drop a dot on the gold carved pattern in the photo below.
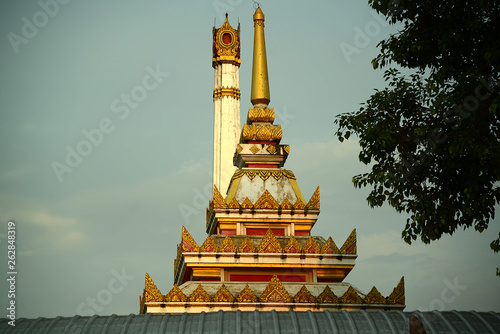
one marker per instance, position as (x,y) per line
(264,174)
(223,295)
(227,91)
(266,132)
(271,149)
(238,149)
(374,297)
(299,205)
(223,49)
(151,292)
(311,246)
(349,246)
(247,296)
(266,201)
(254,149)
(275,292)
(269,244)
(199,295)
(286,205)
(188,243)
(260,115)
(247,246)
(398,294)
(327,297)
(329,247)
(351,297)
(227,245)
(287,149)
(233,204)
(219,201)
(314,201)
(175,295)
(247,204)
(293,246)
(209,245)
(304,296)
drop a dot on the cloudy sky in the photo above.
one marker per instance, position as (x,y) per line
(90,226)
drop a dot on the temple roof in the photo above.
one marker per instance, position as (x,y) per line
(263,322)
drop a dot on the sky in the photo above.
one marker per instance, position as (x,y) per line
(129,85)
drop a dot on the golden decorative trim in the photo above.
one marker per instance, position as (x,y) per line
(233,204)
(254,149)
(269,244)
(264,174)
(286,205)
(327,297)
(175,295)
(223,50)
(313,203)
(247,246)
(227,245)
(299,205)
(247,204)
(287,149)
(247,295)
(238,149)
(265,132)
(311,247)
(329,247)
(188,243)
(223,295)
(398,294)
(304,296)
(349,246)
(226,91)
(260,115)
(199,295)
(219,201)
(151,292)
(293,246)
(374,297)
(275,292)
(271,149)
(351,297)
(266,201)
(209,245)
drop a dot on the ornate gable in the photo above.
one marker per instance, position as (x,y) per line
(374,297)
(293,246)
(175,295)
(227,245)
(151,292)
(311,246)
(247,295)
(349,246)
(313,203)
(247,246)
(209,245)
(223,295)
(266,201)
(351,297)
(398,294)
(275,292)
(188,243)
(327,297)
(329,247)
(269,244)
(304,296)
(199,295)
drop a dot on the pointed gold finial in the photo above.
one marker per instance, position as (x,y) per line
(260,96)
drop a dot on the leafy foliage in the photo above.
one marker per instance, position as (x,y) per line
(432,138)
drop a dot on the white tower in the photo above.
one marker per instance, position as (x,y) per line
(226,62)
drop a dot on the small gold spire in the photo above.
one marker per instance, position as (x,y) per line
(260,96)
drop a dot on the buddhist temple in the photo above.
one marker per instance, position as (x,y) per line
(260,252)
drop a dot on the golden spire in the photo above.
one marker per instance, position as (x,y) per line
(260,82)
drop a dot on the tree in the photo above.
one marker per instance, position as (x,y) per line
(432,137)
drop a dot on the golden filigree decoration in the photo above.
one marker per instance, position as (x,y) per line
(299,205)
(209,245)
(223,295)
(238,149)
(329,247)
(311,246)
(264,174)
(247,204)
(313,203)
(254,149)
(374,297)
(151,292)
(286,205)
(327,297)
(265,132)
(247,295)
(227,245)
(351,297)
(233,204)
(188,243)
(398,294)
(199,295)
(269,244)
(293,246)
(260,115)
(247,246)
(219,201)
(266,201)
(271,149)
(304,296)
(349,246)
(275,292)
(227,91)
(175,295)
(287,149)
(226,46)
